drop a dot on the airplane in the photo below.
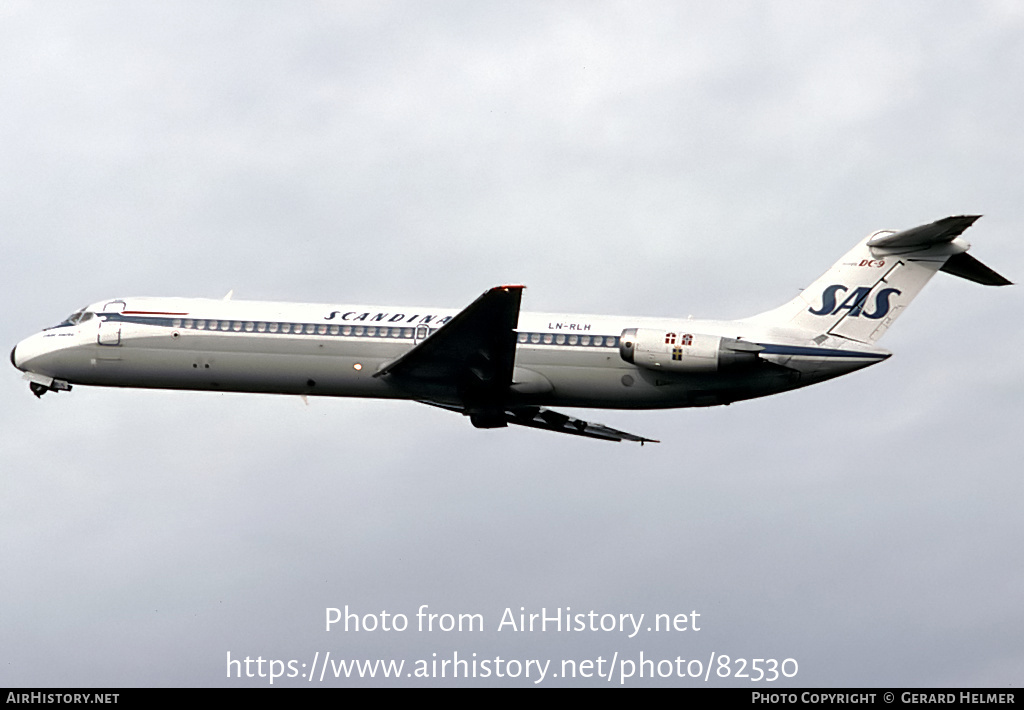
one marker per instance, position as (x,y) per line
(495,364)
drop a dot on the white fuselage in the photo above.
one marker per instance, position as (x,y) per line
(335,350)
(497,364)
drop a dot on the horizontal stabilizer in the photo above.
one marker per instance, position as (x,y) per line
(967,267)
(940,232)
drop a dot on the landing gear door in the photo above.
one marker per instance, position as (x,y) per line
(109,332)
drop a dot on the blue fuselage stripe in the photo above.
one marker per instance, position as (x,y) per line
(770,349)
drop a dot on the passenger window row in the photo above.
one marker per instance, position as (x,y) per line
(378,331)
(369,331)
(597,341)
(373,331)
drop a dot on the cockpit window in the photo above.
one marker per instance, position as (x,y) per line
(73,318)
(79,316)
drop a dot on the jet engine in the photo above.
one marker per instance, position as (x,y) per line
(680,351)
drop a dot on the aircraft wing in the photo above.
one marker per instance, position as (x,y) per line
(473,353)
(543,418)
(471,357)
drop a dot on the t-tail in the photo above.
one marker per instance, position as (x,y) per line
(861,296)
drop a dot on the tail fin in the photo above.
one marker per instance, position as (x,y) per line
(866,291)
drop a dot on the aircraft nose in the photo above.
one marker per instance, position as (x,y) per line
(14,356)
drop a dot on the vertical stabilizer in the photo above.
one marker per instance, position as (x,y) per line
(863,293)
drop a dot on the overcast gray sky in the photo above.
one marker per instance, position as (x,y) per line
(630,158)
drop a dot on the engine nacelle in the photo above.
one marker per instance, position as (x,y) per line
(680,351)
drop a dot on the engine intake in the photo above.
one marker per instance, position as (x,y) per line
(679,351)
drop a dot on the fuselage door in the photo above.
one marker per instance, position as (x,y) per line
(422,331)
(109,332)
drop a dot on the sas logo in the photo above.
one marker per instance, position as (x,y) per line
(854,302)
